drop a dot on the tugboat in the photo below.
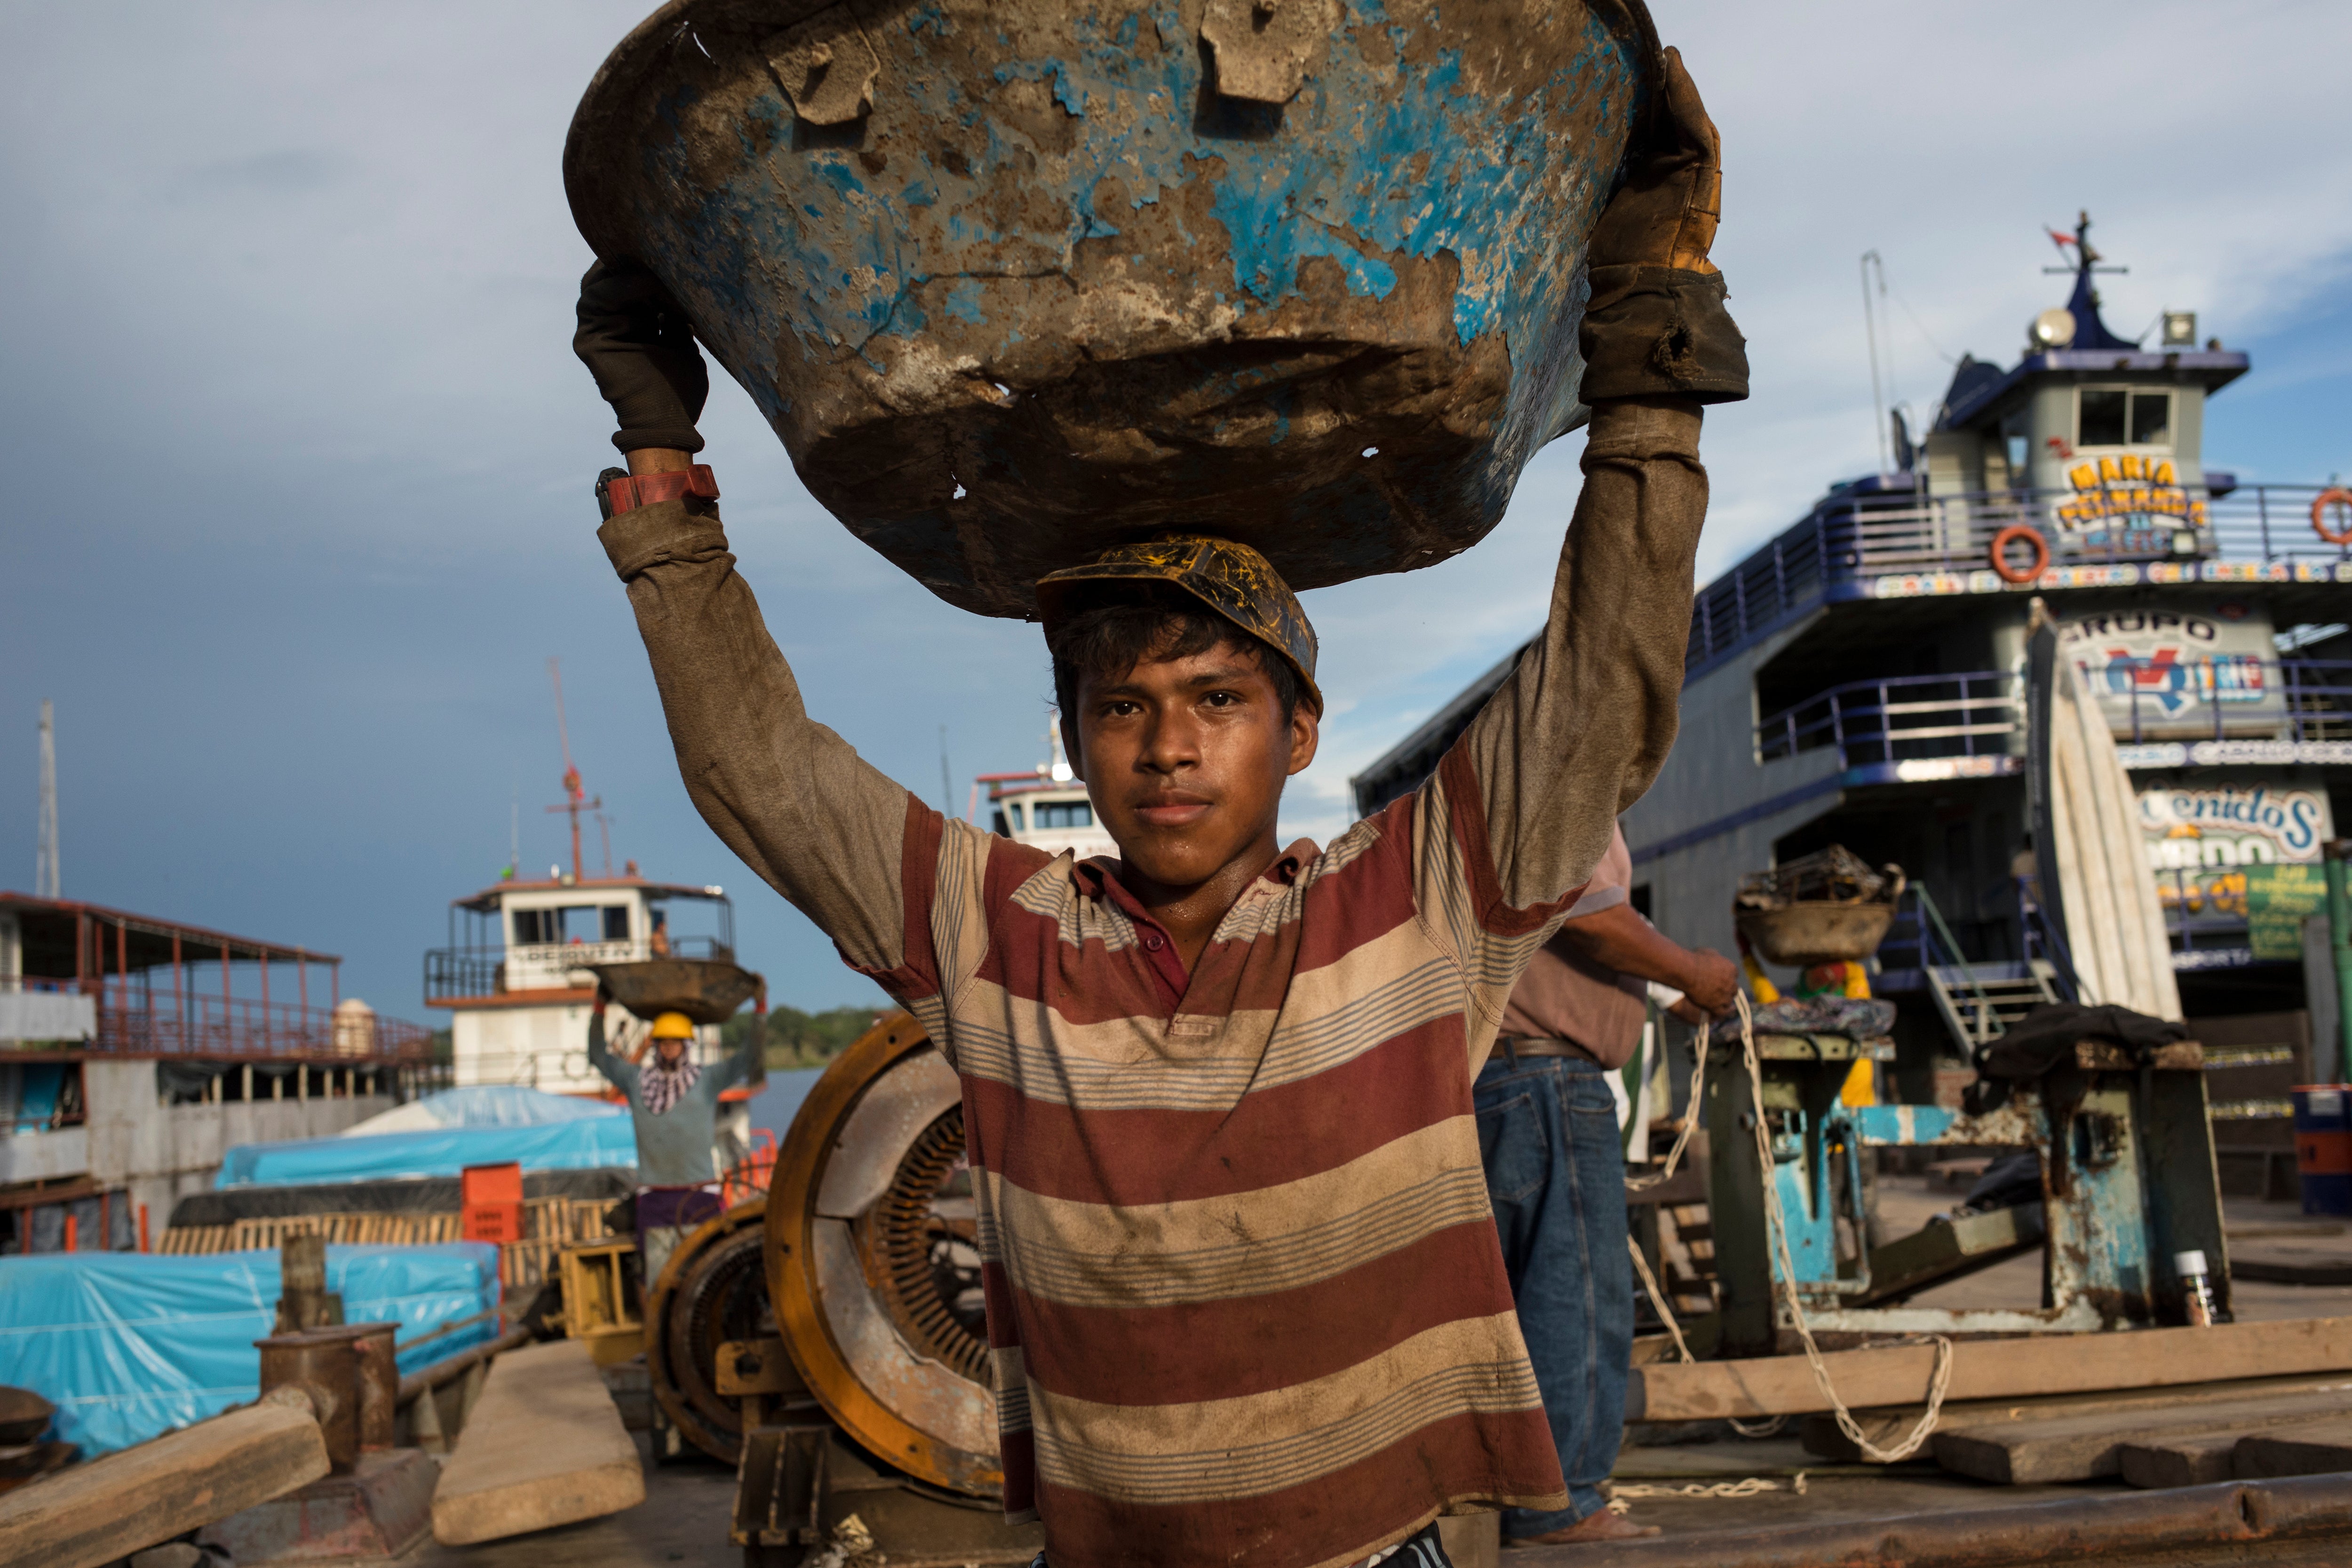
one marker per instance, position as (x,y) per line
(518,973)
(1046,806)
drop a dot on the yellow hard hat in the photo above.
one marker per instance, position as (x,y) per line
(673,1026)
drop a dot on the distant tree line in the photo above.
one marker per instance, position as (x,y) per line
(798,1039)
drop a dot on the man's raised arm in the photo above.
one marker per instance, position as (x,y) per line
(787,795)
(1532,791)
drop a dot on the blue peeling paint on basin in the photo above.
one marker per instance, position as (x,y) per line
(1052,289)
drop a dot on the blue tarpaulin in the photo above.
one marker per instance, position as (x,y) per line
(131,1345)
(585,1144)
(482,1105)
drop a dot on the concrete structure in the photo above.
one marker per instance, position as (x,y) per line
(134,1051)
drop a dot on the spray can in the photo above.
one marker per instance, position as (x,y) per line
(2195,1288)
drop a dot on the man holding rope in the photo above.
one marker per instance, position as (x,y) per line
(1556,1173)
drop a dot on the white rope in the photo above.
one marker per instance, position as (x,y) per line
(1777,1222)
(1748,1487)
(1690,1120)
(1771,1428)
(1666,1313)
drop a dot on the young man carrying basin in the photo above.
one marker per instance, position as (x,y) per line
(1246,1301)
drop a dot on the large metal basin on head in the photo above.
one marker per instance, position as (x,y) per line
(1014,280)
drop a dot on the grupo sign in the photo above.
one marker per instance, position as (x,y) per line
(2163,673)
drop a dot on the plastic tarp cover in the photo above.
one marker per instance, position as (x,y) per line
(131,1345)
(484,1105)
(591,1142)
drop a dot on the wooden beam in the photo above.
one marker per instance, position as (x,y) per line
(127,1500)
(2080,1448)
(2315,1450)
(1886,1428)
(1990,1369)
(542,1446)
(2199,1461)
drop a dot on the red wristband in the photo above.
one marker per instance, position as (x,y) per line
(632,492)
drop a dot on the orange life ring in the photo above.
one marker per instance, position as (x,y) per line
(2336,496)
(2011,535)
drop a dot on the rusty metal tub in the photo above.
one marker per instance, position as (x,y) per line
(1013,279)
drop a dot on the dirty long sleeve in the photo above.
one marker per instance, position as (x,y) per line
(817,822)
(1522,808)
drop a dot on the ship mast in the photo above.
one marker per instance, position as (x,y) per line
(575,798)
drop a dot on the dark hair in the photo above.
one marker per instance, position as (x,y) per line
(1145,624)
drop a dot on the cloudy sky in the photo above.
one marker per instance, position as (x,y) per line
(299,506)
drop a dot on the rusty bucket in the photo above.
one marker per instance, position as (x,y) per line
(1013,279)
(707,990)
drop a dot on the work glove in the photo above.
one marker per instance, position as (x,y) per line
(640,347)
(1655,325)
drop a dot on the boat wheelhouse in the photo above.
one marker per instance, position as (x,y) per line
(515,973)
(1047,808)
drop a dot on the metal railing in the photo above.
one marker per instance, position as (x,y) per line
(243,1027)
(1864,531)
(1900,718)
(1982,713)
(464,973)
(144,1013)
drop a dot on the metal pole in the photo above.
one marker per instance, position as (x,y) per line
(1870,333)
(2339,941)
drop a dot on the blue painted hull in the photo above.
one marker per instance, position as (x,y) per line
(1052,289)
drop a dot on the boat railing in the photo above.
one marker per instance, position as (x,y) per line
(2252,532)
(238,1027)
(1899,718)
(146,1013)
(468,973)
(1982,713)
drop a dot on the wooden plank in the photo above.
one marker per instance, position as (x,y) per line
(2283,1266)
(127,1500)
(1948,1247)
(2316,1450)
(1885,1428)
(2079,1448)
(542,1446)
(1890,1375)
(2195,1461)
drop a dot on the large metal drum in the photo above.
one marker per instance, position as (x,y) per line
(872,1267)
(1016,278)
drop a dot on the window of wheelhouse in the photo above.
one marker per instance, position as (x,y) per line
(2122,417)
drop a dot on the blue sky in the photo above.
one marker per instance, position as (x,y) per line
(301,507)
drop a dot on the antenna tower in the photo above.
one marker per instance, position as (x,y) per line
(575,798)
(46,884)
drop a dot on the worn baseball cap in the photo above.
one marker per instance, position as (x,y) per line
(1234,581)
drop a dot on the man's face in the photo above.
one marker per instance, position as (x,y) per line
(1185,759)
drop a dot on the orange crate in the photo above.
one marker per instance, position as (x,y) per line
(500,1223)
(501,1184)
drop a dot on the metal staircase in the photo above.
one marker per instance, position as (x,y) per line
(1977,1002)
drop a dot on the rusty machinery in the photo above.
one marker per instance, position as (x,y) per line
(830,1339)
(2127,1180)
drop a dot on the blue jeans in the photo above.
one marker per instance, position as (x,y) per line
(1556,1173)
